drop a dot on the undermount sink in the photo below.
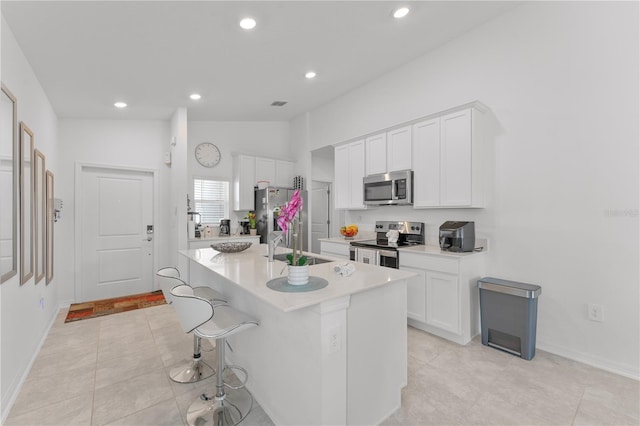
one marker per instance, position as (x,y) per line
(310,260)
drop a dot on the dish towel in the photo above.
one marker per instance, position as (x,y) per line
(392,236)
(345,270)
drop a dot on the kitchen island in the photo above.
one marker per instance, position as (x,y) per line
(337,355)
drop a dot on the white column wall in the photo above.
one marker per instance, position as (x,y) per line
(561,82)
(178,189)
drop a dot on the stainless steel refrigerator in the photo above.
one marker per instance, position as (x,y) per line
(268,202)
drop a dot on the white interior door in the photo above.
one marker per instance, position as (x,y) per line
(116,253)
(320,213)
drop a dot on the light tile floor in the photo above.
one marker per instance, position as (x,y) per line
(114,371)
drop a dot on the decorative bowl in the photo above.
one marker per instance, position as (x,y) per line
(231,247)
(348,232)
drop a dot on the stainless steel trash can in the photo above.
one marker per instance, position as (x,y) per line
(508,315)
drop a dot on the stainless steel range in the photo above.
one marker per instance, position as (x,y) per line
(383,251)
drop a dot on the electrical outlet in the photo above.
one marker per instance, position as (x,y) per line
(595,312)
(334,340)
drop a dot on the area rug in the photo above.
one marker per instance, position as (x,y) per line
(99,308)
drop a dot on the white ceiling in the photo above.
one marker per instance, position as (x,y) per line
(153,54)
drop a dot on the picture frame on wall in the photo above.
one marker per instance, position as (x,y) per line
(8,184)
(26,203)
(40,214)
(50,220)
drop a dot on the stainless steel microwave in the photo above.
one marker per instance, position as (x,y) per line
(393,188)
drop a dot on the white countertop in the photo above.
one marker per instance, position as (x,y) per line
(342,240)
(251,270)
(219,238)
(435,250)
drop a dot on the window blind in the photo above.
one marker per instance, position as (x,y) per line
(211,199)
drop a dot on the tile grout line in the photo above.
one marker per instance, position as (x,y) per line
(95,374)
(584,391)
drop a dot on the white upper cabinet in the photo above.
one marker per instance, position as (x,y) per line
(376,161)
(445,151)
(455,159)
(399,152)
(448,162)
(244,179)
(266,170)
(356,169)
(349,171)
(389,151)
(341,177)
(426,173)
(249,170)
(284,173)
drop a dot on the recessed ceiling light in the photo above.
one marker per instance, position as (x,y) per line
(248,23)
(310,74)
(401,12)
(120,105)
(195,96)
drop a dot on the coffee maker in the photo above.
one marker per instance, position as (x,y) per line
(244,227)
(225,227)
(457,236)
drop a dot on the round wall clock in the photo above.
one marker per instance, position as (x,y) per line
(207,154)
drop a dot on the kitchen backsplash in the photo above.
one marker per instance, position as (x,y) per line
(432,218)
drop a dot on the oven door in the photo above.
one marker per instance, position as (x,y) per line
(388,258)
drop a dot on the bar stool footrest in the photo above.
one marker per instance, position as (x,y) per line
(243,382)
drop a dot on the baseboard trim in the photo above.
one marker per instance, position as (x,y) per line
(630,371)
(65,304)
(14,389)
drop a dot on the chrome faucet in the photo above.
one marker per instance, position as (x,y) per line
(275,238)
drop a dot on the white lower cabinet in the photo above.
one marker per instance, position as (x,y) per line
(334,249)
(442,295)
(416,294)
(443,298)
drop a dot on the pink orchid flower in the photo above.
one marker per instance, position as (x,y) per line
(290,210)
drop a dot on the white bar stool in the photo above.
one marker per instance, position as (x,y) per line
(231,405)
(196,369)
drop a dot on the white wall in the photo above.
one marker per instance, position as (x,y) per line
(23,320)
(123,143)
(260,138)
(178,189)
(561,79)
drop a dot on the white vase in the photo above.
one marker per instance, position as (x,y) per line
(298,275)
(253,231)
